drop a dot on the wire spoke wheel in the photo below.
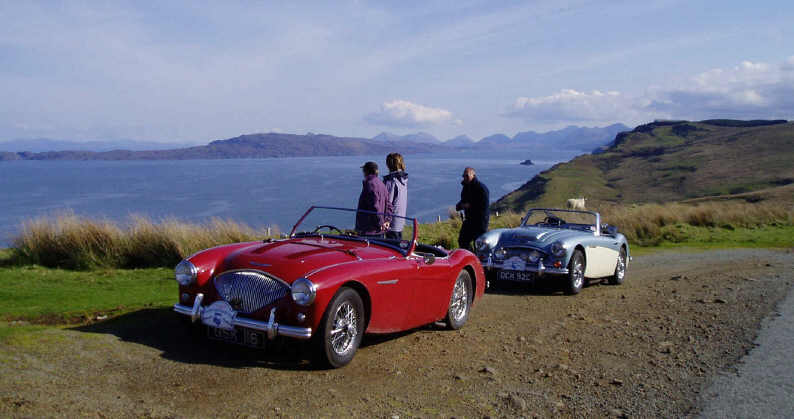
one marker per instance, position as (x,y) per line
(578,274)
(620,269)
(341,329)
(460,301)
(576,268)
(345,329)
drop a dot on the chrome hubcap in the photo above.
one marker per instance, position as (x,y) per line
(460,300)
(621,266)
(345,328)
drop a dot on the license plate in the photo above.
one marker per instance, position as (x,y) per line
(506,275)
(238,335)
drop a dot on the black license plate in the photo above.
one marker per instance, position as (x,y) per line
(240,336)
(505,275)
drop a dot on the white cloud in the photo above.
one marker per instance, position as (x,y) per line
(750,90)
(402,113)
(747,91)
(573,106)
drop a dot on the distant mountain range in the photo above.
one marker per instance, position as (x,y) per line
(572,139)
(419,137)
(37,145)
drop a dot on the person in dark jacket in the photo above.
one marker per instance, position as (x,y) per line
(372,198)
(474,204)
(397,194)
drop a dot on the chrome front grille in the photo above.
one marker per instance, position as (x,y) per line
(522,252)
(249,291)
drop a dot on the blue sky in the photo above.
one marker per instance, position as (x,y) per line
(198,71)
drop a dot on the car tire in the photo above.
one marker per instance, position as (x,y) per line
(341,330)
(620,269)
(459,301)
(576,267)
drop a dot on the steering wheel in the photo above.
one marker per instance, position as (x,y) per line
(329,227)
(555,221)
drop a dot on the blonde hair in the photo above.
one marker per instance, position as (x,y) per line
(395,162)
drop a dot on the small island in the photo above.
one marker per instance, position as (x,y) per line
(527,162)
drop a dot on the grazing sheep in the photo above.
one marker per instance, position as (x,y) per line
(577,204)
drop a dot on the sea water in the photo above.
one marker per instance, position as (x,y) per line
(259,192)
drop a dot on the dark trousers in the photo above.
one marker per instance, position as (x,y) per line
(469,233)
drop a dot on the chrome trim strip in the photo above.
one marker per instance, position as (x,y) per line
(389,282)
(322,268)
(271,327)
(263,265)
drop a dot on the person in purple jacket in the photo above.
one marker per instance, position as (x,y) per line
(373,198)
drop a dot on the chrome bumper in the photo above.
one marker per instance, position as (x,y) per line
(538,269)
(270,327)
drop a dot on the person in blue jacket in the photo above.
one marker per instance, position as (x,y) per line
(475,206)
(396,194)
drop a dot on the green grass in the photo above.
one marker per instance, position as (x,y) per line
(704,238)
(38,294)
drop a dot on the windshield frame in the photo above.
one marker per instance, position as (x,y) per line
(409,250)
(597,216)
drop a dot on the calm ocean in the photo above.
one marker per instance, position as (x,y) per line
(259,192)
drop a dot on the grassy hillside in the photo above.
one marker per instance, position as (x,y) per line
(673,161)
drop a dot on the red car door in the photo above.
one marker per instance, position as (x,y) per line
(431,289)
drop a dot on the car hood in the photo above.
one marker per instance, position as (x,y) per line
(291,259)
(536,236)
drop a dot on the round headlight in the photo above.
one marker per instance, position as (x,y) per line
(486,242)
(303,291)
(557,249)
(500,253)
(185,273)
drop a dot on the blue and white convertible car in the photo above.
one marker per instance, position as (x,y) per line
(571,245)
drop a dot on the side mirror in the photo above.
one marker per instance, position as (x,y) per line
(429,258)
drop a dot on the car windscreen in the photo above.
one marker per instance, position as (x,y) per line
(351,223)
(558,218)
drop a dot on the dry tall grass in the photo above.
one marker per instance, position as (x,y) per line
(646,224)
(73,242)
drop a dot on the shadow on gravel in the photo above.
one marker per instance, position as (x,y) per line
(541,287)
(181,341)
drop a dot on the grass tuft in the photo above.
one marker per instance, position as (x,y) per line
(72,242)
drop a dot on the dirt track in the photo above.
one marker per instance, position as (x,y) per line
(645,348)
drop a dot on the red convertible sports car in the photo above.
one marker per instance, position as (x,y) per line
(327,283)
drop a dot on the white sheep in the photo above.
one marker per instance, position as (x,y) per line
(576,203)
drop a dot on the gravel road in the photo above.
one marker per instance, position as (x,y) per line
(657,346)
(763,386)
